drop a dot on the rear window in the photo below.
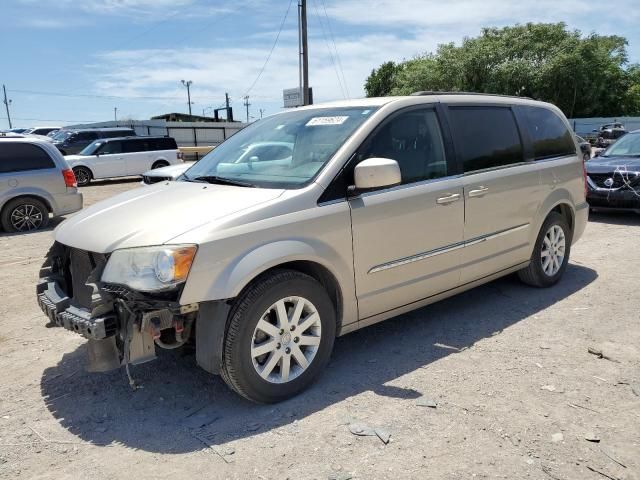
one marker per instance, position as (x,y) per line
(162,144)
(486,137)
(549,134)
(133,146)
(18,157)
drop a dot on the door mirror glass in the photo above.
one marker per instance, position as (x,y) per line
(377,173)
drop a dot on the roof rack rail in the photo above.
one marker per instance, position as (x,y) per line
(435,92)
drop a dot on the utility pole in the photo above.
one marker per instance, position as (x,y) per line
(6,104)
(246,104)
(262,110)
(115,114)
(305,52)
(226,101)
(188,85)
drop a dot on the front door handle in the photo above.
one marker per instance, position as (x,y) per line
(478,192)
(448,199)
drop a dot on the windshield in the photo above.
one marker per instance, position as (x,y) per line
(282,151)
(91,148)
(62,135)
(627,146)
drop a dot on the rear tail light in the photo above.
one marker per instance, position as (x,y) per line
(180,155)
(69,178)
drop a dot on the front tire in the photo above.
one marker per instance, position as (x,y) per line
(83,176)
(279,338)
(550,254)
(24,215)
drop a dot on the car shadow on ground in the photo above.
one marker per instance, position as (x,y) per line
(180,408)
(631,219)
(53,223)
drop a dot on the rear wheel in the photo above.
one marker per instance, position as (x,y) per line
(550,254)
(24,214)
(280,336)
(83,176)
(159,164)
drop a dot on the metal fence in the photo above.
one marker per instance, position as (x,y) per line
(585,126)
(186,134)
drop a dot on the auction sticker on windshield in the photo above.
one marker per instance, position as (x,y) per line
(326,121)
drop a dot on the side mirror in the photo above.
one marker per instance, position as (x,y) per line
(374,173)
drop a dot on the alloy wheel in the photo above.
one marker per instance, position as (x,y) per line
(553,250)
(26,217)
(286,339)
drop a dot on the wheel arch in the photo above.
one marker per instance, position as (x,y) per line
(559,201)
(35,195)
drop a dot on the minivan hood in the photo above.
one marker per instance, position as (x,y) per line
(609,164)
(156,214)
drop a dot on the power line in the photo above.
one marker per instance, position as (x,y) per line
(91,95)
(331,57)
(286,14)
(344,79)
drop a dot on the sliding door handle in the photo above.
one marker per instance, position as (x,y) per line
(478,192)
(448,199)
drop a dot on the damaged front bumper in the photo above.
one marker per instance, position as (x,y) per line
(122,326)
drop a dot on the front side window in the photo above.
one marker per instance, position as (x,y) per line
(110,148)
(312,135)
(19,157)
(486,137)
(412,139)
(549,134)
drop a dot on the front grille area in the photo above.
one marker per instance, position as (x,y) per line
(619,179)
(68,292)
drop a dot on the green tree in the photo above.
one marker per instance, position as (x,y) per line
(584,76)
(380,82)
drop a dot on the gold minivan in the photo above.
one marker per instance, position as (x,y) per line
(379,206)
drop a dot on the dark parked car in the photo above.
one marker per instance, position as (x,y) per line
(585,148)
(74,141)
(609,136)
(613,177)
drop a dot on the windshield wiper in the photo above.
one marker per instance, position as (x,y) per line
(222,181)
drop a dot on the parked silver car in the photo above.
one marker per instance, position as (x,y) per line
(384,206)
(35,181)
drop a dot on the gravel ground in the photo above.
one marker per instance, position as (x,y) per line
(517,393)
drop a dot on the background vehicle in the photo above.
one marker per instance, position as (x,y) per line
(35,180)
(41,130)
(121,157)
(378,210)
(162,174)
(608,136)
(614,176)
(74,141)
(585,147)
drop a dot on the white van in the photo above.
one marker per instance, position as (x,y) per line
(122,157)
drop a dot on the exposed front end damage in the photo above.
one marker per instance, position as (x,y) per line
(123,326)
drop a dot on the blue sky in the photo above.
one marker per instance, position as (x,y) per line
(99,54)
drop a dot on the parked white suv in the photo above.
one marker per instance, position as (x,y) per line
(122,157)
(384,206)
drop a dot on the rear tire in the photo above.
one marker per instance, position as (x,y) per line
(83,176)
(159,164)
(550,254)
(24,215)
(295,352)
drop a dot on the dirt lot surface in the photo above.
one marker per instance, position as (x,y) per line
(518,395)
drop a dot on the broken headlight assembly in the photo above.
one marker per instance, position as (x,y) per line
(150,269)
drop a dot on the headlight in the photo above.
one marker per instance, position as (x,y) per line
(150,269)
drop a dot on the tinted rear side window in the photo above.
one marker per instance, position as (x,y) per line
(18,157)
(549,135)
(486,137)
(162,144)
(133,146)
